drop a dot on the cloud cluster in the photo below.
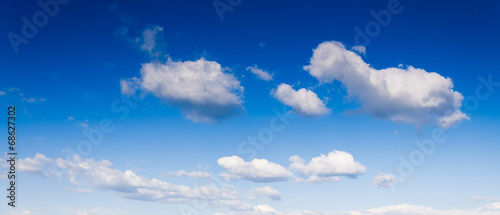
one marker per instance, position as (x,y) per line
(257,170)
(303,101)
(147,42)
(202,90)
(319,169)
(260,73)
(408,95)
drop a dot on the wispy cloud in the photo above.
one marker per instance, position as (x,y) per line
(266,76)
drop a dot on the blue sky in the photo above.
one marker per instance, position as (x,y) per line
(263,108)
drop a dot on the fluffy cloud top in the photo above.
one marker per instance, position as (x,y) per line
(384,180)
(336,163)
(402,95)
(319,169)
(304,102)
(265,191)
(258,170)
(260,73)
(201,89)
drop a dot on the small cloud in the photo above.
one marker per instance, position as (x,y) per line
(400,65)
(129,86)
(262,44)
(260,73)
(83,124)
(303,101)
(196,174)
(2,93)
(395,132)
(33,100)
(384,180)
(70,118)
(265,191)
(359,49)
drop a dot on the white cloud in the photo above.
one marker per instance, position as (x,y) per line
(336,163)
(2,93)
(260,73)
(201,89)
(384,180)
(258,192)
(304,102)
(359,49)
(408,95)
(18,212)
(258,170)
(84,124)
(486,198)
(194,174)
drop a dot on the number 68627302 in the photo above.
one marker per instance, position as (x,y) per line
(11,125)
